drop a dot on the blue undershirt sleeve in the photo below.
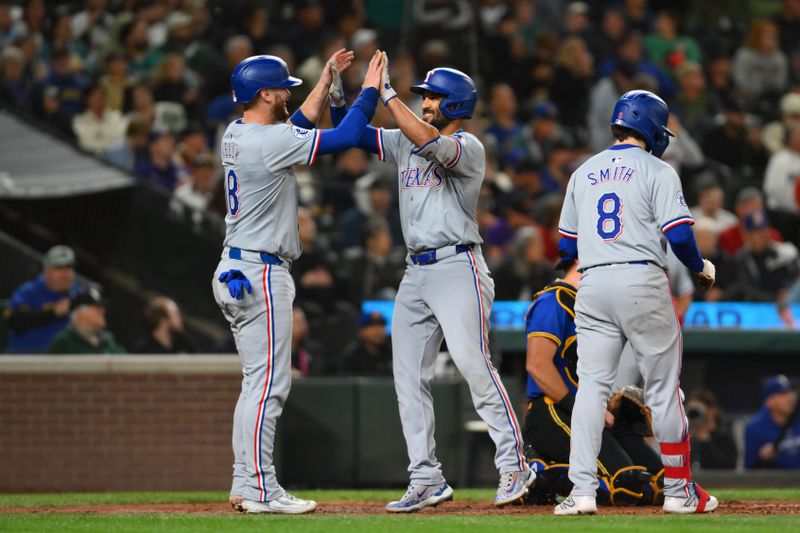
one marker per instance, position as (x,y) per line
(369,137)
(681,239)
(350,130)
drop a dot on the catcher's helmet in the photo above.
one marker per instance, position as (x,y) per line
(260,72)
(457,88)
(646,113)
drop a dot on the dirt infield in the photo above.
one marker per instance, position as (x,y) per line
(463,507)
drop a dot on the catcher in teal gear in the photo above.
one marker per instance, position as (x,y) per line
(628,468)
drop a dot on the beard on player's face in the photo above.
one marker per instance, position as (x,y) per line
(279,110)
(432,114)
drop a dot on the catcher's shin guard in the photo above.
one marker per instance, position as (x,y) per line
(552,485)
(654,491)
(628,485)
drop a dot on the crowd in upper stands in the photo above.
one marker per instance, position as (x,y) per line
(144,84)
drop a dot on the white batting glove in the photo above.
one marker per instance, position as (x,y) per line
(387,93)
(709,274)
(336,90)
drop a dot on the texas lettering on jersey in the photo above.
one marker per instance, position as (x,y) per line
(418,177)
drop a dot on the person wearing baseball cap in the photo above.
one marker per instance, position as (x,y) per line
(39,308)
(86,333)
(772,436)
(371,353)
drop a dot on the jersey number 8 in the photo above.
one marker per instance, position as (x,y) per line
(609,209)
(233,193)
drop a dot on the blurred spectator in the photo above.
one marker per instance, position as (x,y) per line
(541,134)
(748,200)
(693,105)
(710,199)
(631,50)
(86,333)
(98,128)
(166,334)
(572,81)
(379,203)
(374,270)
(766,268)
(504,134)
(782,187)
(305,34)
(313,270)
(603,97)
(516,214)
(197,192)
(115,81)
(788,22)
(160,168)
(14,87)
(735,143)
(613,29)
(200,57)
(39,308)
(304,360)
(682,153)
(371,353)
(93,25)
(193,143)
(256,23)
(60,38)
(772,437)
(775,133)
(8,31)
(705,232)
(350,167)
(526,271)
(720,79)
(666,46)
(759,66)
(712,442)
(130,150)
(57,98)
(136,46)
(173,82)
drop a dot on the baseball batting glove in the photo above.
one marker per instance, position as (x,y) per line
(387,93)
(708,276)
(237,283)
(628,408)
(336,90)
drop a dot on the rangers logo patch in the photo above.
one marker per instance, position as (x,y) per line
(681,200)
(301,133)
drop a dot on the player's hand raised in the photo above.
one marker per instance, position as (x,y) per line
(387,93)
(338,63)
(374,71)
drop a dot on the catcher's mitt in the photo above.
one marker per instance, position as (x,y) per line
(628,407)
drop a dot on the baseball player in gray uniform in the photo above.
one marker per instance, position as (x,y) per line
(620,209)
(252,284)
(447,291)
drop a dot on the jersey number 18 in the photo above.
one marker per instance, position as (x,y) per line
(609,223)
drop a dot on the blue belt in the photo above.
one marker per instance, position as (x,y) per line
(266,258)
(621,263)
(428,257)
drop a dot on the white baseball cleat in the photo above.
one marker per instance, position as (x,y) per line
(513,486)
(420,496)
(696,501)
(575,505)
(286,504)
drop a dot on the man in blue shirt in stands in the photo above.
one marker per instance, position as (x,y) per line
(40,308)
(772,437)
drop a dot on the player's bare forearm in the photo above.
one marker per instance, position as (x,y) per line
(539,364)
(414,129)
(314,104)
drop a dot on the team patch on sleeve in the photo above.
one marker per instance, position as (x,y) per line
(301,133)
(681,200)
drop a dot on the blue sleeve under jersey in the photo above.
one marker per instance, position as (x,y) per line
(301,121)
(681,239)
(369,138)
(348,132)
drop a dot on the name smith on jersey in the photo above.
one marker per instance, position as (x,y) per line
(620,173)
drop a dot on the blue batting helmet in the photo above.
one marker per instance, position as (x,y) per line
(646,113)
(457,88)
(260,72)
